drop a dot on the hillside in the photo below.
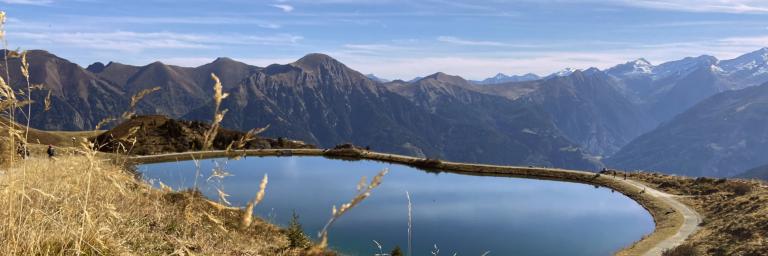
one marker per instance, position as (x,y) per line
(586,106)
(721,136)
(79,99)
(143,135)
(760,172)
(484,126)
(322,101)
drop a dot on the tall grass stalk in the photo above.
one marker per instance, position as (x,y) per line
(410,221)
(218,114)
(247,217)
(362,193)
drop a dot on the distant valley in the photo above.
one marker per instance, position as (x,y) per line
(697,116)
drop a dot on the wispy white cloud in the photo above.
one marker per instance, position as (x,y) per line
(127,41)
(459,41)
(485,43)
(177,20)
(722,6)
(284,7)
(391,62)
(28,2)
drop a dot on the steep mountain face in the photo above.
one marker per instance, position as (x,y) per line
(721,136)
(319,100)
(79,99)
(182,89)
(502,78)
(490,128)
(591,111)
(746,70)
(587,106)
(114,72)
(670,88)
(677,93)
(230,72)
(179,92)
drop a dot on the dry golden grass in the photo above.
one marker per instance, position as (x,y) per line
(734,212)
(83,205)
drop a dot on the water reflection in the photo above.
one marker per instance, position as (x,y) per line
(460,213)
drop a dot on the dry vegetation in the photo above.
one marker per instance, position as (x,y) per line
(83,205)
(81,202)
(734,212)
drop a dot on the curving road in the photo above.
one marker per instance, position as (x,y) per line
(691,219)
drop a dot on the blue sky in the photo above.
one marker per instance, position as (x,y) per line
(391,38)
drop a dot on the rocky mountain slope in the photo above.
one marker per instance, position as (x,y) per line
(79,99)
(482,125)
(672,87)
(320,100)
(721,136)
(587,106)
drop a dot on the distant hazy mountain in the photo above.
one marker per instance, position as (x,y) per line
(376,78)
(746,70)
(587,106)
(760,172)
(502,78)
(720,136)
(672,87)
(490,126)
(563,72)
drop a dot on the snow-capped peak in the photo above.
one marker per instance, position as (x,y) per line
(564,72)
(753,61)
(640,65)
(683,66)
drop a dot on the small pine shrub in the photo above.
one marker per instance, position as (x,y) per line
(295,233)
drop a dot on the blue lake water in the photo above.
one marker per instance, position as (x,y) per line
(462,214)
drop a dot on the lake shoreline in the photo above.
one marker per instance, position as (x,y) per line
(667,216)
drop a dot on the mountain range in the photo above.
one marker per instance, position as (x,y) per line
(624,116)
(720,136)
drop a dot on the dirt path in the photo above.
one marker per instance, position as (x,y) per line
(691,219)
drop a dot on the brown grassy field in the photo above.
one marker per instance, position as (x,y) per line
(78,205)
(735,212)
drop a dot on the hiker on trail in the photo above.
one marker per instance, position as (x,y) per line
(51,151)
